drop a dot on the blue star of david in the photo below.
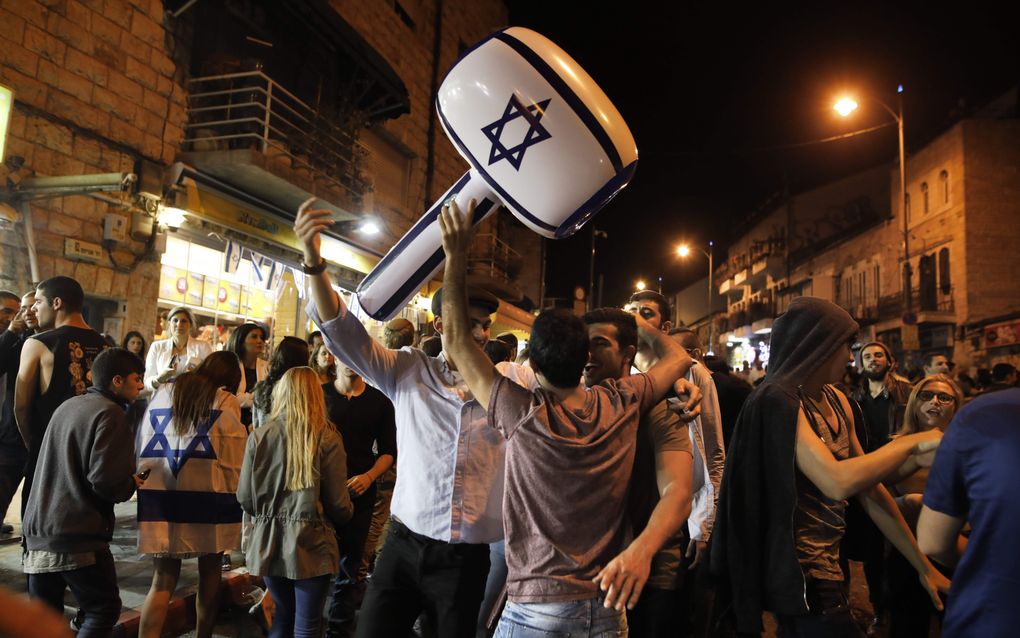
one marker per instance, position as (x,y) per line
(536,132)
(200,447)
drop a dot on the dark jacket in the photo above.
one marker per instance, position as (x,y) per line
(753,547)
(85,465)
(898,389)
(12,446)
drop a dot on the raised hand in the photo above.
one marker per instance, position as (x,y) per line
(456,228)
(308,223)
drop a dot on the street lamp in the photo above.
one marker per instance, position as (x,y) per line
(683,250)
(845,107)
(640,285)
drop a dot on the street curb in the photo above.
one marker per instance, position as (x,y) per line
(180,615)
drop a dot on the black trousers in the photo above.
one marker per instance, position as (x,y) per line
(95,589)
(829,617)
(658,614)
(347,589)
(415,573)
(11,473)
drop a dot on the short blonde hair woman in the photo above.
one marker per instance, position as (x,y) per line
(294,486)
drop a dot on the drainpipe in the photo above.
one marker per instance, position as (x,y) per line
(33,259)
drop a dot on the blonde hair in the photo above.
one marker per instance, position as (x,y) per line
(910,421)
(298,402)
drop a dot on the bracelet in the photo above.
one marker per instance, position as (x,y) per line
(314,270)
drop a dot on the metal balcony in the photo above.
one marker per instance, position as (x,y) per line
(494,265)
(234,116)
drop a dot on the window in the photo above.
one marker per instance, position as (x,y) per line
(924,195)
(944,181)
(945,282)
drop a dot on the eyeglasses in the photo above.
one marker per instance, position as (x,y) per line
(928,395)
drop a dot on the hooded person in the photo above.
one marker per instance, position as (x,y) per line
(783,470)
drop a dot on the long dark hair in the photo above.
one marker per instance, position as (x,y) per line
(235,343)
(291,353)
(131,335)
(194,392)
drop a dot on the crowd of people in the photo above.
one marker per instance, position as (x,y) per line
(609,478)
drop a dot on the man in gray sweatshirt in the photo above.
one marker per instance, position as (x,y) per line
(86,464)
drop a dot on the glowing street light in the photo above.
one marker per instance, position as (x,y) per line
(683,250)
(640,284)
(845,106)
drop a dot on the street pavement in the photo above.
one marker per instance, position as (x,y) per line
(134,576)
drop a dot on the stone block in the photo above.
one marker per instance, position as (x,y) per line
(105,30)
(125,86)
(120,284)
(147,29)
(63,225)
(21,59)
(114,104)
(153,101)
(162,64)
(164,86)
(140,72)
(47,243)
(52,136)
(31,12)
(86,66)
(119,11)
(66,81)
(47,46)
(63,266)
(80,208)
(47,266)
(86,276)
(71,108)
(104,280)
(40,218)
(126,133)
(110,55)
(136,47)
(14,27)
(75,35)
(88,151)
(92,232)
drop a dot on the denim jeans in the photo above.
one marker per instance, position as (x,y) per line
(298,605)
(348,588)
(94,587)
(577,618)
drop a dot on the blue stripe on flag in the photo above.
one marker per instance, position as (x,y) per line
(213,508)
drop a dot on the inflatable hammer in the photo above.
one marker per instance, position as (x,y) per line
(542,139)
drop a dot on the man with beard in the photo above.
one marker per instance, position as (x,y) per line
(13,455)
(882,395)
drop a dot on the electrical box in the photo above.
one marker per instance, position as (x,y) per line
(115,228)
(141,225)
(159,246)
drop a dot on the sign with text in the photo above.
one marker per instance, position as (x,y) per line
(82,250)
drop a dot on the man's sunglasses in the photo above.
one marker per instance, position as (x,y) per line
(928,395)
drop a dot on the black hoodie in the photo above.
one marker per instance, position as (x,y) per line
(753,545)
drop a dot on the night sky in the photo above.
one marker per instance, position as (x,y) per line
(721,99)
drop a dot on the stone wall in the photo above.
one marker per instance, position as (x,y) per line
(96,90)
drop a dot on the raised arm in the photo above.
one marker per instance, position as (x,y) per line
(672,363)
(345,335)
(474,365)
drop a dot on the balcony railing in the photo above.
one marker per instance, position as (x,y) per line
(494,258)
(892,305)
(251,111)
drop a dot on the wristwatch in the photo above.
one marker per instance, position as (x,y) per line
(314,270)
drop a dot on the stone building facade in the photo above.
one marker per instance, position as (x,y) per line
(844,242)
(103,86)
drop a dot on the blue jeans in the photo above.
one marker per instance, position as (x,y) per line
(95,589)
(298,605)
(583,618)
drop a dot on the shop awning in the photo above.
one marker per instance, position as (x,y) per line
(216,201)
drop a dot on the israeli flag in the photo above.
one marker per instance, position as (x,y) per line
(259,263)
(231,257)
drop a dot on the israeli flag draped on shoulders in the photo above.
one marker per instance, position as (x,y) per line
(188,504)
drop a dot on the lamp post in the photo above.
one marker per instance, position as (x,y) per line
(683,250)
(591,267)
(845,107)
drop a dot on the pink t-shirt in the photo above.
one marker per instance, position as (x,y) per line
(567,474)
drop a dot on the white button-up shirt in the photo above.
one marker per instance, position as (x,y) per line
(449,462)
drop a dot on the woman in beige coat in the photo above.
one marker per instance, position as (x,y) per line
(294,486)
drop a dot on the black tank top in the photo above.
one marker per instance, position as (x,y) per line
(74,349)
